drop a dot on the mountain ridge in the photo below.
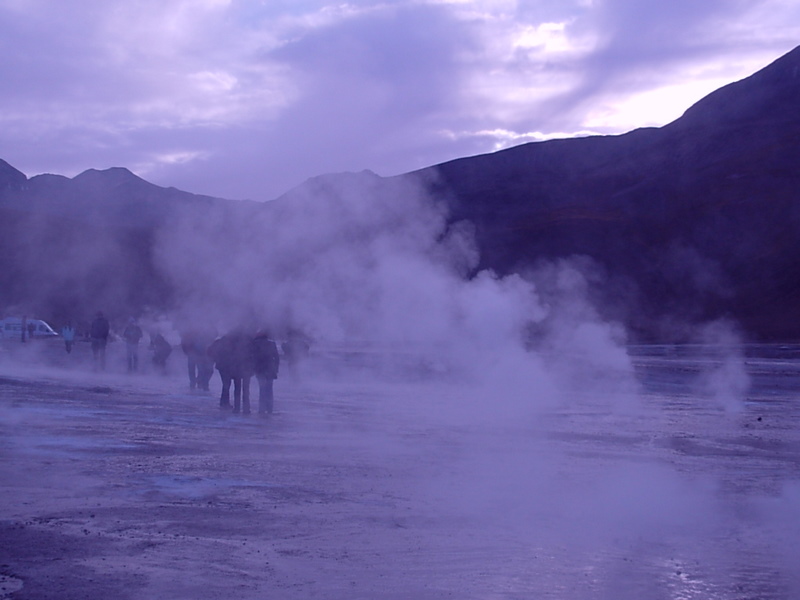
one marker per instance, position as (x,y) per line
(689,222)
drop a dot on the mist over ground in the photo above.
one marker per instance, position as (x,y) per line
(493,421)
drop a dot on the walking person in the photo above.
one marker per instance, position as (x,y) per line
(221,354)
(132,335)
(98,332)
(200,366)
(232,354)
(266,361)
(68,334)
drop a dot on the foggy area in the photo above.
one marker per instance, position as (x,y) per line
(452,433)
(377,484)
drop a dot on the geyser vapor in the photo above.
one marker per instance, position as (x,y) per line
(344,263)
(509,355)
(336,260)
(726,381)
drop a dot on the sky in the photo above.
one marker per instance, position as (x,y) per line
(245,99)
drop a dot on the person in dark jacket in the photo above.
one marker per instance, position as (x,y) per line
(266,361)
(232,355)
(195,344)
(98,332)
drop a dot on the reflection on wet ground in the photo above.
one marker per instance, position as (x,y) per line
(126,488)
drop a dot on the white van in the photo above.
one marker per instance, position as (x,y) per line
(11,327)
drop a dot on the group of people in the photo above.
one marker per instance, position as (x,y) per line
(99,332)
(238,356)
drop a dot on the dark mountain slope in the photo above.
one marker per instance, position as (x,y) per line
(71,246)
(703,214)
(693,221)
(10,179)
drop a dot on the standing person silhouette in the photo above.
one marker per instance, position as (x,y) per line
(266,361)
(98,332)
(68,333)
(132,335)
(195,343)
(233,357)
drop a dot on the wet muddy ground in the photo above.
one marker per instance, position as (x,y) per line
(129,486)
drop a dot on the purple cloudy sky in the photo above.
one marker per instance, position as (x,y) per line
(248,98)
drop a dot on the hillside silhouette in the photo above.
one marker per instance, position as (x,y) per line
(675,226)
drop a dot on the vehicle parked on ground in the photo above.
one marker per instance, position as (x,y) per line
(11,327)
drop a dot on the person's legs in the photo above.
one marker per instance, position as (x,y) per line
(225,396)
(265,394)
(204,371)
(237,394)
(191,364)
(246,395)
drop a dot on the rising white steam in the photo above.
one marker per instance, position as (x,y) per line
(726,379)
(346,261)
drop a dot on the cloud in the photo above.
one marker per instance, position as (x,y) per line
(265,95)
(662,56)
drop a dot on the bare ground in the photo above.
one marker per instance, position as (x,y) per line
(130,487)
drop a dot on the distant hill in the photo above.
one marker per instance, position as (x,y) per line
(71,246)
(693,221)
(702,216)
